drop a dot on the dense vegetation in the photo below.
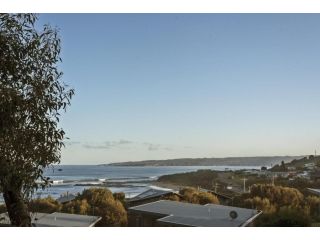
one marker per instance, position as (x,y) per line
(192,195)
(99,202)
(281,206)
(3,208)
(44,205)
(203,178)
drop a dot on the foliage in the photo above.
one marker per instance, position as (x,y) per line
(44,205)
(99,202)
(32,98)
(191,195)
(3,208)
(261,204)
(285,217)
(201,178)
(314,207)
(172,197)
(277,195)
(281,206)
(120,196)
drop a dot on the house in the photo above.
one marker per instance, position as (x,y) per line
(223,198)
(171,213)
(56,219)
(151,195)
(291,168)
(314,191)
(65,198)
(315,176)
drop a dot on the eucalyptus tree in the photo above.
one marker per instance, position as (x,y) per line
(32,97)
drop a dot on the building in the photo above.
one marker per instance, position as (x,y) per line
(65,198)
(172,213)
(223,198)
(314,191)
(315,176)
(56,219)
(151,195)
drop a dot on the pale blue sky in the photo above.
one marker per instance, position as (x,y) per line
(160,86)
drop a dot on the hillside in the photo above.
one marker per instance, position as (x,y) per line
(229,161)
(297,163)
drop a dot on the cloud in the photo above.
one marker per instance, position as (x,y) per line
(71,143)
(108,144)
(90,146)
(124,144)
(157,147)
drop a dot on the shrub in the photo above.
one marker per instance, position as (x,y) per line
(172,197)
(3,208)
(192,195)
(120,196)
(285,217)
(44,205)
(205,198)
(99,202)
(314,205)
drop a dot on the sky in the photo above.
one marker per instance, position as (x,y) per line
(162,86)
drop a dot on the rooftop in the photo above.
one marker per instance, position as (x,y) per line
(66,198)
(57,219)
(151,193)
(314,190)
(187,214)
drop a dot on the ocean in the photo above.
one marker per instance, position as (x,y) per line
(130,180)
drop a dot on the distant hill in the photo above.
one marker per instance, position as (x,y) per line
(297,163)
(229,161)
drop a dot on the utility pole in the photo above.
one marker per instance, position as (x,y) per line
(216,187)
(244,184)
(272,179)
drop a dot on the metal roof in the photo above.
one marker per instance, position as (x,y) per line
(314,190)
(57,219)
(187,214)
(66,198)
(151,193)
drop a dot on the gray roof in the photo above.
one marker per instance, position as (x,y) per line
(66,198)
(187,214)
(314,190)
(57,219)
(151,193)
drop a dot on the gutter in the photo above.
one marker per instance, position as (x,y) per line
(246,223)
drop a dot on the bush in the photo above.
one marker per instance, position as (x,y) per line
(120,196)
(281,206)
(314,207)
(285,217)
(192,195)
(261,204)
(3,208)
(99,202)
(277,195)
(172,197)
(205,198)
(44,205)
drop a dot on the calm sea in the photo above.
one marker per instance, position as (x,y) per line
(130,180)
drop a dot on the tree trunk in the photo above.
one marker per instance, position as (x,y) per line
(17,209)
